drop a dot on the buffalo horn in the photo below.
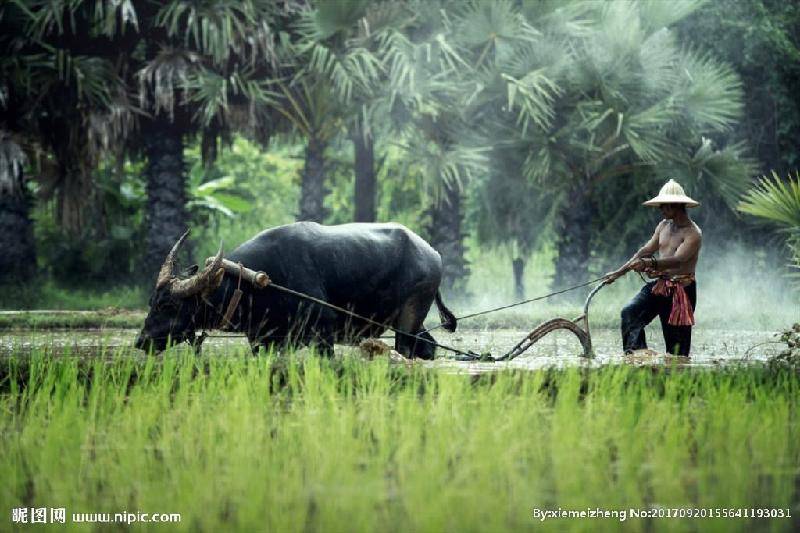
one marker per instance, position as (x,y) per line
(200,281)
(168,266)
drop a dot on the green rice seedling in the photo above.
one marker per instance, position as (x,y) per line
(297,442)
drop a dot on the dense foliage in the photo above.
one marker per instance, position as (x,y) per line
(777,203)
(528,125)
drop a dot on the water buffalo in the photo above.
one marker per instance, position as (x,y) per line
(382,271)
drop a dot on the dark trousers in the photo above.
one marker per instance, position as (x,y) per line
(643,308)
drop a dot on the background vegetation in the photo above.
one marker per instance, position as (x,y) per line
(522,133)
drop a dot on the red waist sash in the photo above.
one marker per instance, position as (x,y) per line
(681,313)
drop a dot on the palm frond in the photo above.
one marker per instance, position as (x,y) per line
(292,107)
(335,46)
(221,29)
(112,17)
(657,57)
(775,200)
(93,79)
(215,95)
(455,166)
(645,130)
(549,53)
(403,62)
(357,70)
(211,92)
(330,18)
(565,19)
(449,58)
(49,16)
(709,92)
(480,24)
(621,25)
(31,73)
(108,126)
(164,76)
(384,16)
(725,172)
(538,164)
(444,162)
(657,14)
(533,97)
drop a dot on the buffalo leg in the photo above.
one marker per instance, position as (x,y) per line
(323,337)
(419,347)
(324,346)
(412,315)
(268,345)
(319,329)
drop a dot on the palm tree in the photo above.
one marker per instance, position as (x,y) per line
(338,46)
(196,67)
(429,108)
(505,63)
(512,211)
(63,106)
(206,68)
(450,162)
(18,260)
(777,202)
(601,91)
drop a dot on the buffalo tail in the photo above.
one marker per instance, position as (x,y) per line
(448,319)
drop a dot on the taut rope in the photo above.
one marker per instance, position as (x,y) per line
(261,280)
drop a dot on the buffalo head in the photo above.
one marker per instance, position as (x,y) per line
(176,301)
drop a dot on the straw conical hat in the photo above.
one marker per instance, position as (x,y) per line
(671,193)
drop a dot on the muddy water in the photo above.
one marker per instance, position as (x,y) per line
(561,348)
(710,347)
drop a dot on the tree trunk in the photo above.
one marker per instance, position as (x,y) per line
(18,257)
(574,232)
(312,187)
(166,217)
(518,265)
(447,239)
(365,183)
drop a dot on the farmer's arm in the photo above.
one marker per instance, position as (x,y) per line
(683,255)
(649,248)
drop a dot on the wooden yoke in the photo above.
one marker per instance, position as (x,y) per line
(256,278)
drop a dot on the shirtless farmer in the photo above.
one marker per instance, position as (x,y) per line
(672,294)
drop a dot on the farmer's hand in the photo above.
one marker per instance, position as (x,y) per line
(611,277)
(639,265)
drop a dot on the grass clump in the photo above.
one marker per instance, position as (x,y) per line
(49,320)
(789,357)
(46,294)
(302,443)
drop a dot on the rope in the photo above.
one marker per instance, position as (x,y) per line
(470,355)
(368,320)
(529,300)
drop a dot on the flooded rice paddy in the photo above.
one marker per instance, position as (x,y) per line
(710,347)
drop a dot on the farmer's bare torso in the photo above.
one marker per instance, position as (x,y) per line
(670,238)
